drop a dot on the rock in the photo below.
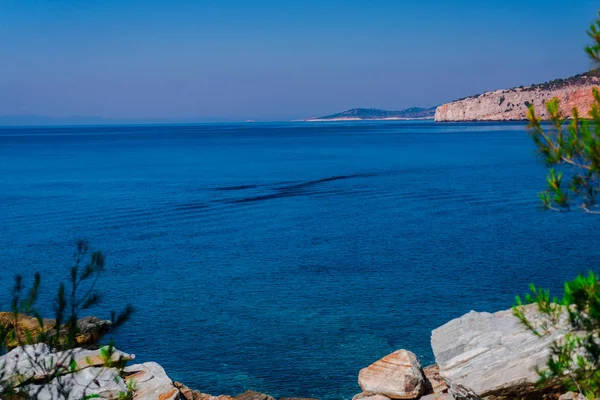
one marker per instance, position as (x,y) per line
(369,396)
(572,396)
(103,383)
(38,362)
(397,376)
(433,381)
(189,394)
(483,354)
(91,329)
(297,398)
(26,363)
(511,104)
(24,323)
(150,382)
(438,396)
(252,395)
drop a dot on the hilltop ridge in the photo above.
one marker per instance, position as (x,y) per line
(511,104)
(359,114)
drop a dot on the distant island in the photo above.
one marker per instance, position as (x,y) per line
(375,114)
(511,104)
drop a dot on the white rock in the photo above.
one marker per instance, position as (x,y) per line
(439,396)
(572,396)
(483,354)
(103,383)
(369,396)
(150,382)
(22,364)
(36,362)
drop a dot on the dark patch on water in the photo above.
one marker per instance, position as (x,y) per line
(191,206)
(298,189)
(238,187)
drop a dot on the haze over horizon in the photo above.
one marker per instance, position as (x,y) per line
(266,60)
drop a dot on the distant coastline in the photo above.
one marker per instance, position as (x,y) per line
(376,114)
(365,119)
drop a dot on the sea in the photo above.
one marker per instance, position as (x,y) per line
(285,257)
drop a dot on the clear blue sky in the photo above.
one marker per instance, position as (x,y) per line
(280,59)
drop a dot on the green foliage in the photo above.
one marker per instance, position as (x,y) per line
(593,51)
(575,359)
(574,148)
(131,387)
(77,295)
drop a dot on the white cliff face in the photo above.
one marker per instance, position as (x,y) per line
(511,104)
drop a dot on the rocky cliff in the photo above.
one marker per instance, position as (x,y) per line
(511,104)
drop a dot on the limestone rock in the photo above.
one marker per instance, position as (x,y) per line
(91,329)
(190,394)
(297,398)
(37,362)
(252,395)
(483,354)
(103,383)
(397,376)
(369,396)
(433,381)
(25,363)
(150,382)
(438,396)
(511,104)
(572,396)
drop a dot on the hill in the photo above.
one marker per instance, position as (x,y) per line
(511,104)
(372,114)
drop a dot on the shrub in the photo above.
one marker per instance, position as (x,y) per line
(575,359)
(572,155)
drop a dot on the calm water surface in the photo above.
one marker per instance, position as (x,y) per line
(285,257)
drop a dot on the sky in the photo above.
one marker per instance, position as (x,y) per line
(228,60)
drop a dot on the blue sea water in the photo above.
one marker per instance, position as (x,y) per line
(285,257)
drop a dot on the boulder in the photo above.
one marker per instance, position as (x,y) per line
(190,394)
(38,362)
(369,396)
(433,381)
(298,398)
(103,383)
(482,354)
(150,382)
(572,396)
(438,396)
(26,363)
(397,376)
(252,395)
(90,329)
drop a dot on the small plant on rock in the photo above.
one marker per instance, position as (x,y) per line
(575,358)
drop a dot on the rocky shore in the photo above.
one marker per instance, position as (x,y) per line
(511,104)
(478,356)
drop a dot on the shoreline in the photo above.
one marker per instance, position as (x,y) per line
(350,119)
(462,371)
